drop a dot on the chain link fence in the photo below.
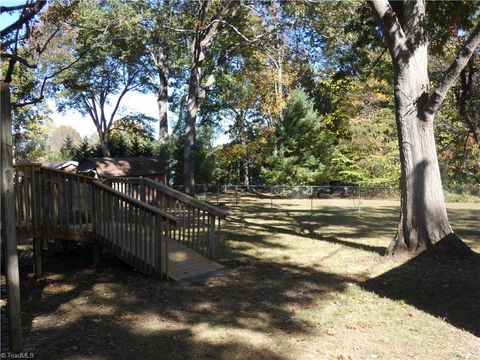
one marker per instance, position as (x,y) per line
(240,194)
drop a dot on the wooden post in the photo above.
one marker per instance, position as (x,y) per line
(143,192)
(37,240)
(211,236)
(93,220)
(9,223)
(37,254)
(271,197)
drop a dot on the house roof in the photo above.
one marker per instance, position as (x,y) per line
(60,165)
(123,166)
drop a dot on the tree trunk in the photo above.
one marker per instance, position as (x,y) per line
(104,145)
(162,91)
(8,221)
(163,112)
(190,132)
(246,174)
(423,221)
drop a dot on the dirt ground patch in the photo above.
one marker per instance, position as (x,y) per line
(305,284)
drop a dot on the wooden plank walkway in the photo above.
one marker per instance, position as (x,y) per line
(186,264)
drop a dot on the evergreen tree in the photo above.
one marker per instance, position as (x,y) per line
(303,145)
(67,150)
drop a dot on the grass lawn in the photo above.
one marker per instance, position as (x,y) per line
(304,285)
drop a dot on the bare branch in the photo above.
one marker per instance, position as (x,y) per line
(17,7)
(438,95)
(177,29)
(27,15)
(237,31)
(52,35)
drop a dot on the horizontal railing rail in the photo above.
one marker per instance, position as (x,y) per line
(198,221)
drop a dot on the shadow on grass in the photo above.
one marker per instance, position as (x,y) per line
(152,319)
(111,312)
(312,225)
(444,287)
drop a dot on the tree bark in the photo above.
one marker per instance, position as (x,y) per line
(104,144)
(190,133)
(423,219)
(162,100)
(8,221)
(201,41)
(246,175)
(160,61)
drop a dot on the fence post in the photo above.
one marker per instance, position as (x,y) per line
(236,199)
(271,197)
(359,197)
(167,239)
(311,198)
(218,192)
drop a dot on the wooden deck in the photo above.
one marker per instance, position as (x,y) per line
(186,264)
(130,217)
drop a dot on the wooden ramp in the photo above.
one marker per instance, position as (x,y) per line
(186,264)
(130,217)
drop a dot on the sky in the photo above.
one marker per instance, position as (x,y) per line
(132,102)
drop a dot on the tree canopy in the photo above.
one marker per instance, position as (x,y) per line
(306,92)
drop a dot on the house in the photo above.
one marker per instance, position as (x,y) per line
(101,168)
(69,166)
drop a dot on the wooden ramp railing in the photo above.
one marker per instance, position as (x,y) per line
(57,204)
(198,221)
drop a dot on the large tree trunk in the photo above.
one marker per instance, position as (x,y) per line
(424,218)
(246,175)
(162,101)
(190,132)
(423,221)
(423,214)
(162,91)
(104,144)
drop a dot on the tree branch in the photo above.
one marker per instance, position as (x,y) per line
(239,33)
(438,95)
(42,88)
(391,26)
(27,15)
(50,38)
(14,8)
(19,59)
